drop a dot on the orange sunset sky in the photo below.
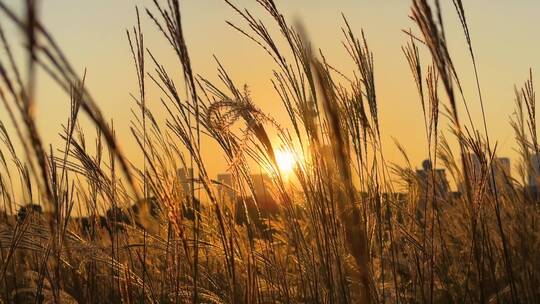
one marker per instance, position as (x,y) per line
(92,33)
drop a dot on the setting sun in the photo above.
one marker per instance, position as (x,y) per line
(286,161)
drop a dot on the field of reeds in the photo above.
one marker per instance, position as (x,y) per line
(347,227)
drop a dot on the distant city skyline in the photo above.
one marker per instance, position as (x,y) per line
(501,167)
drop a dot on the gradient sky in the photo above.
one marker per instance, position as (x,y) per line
(92,33)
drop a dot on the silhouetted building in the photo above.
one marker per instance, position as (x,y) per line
(259,208)
(225,187)
(186,176)
(534,171)
(428,177)
(499,175)
(433,188)
(502,173)
(261,185)
(263,193)
(533,176)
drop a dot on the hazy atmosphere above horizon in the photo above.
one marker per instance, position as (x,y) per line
(93,36)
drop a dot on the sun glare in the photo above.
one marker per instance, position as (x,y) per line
(286,161)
